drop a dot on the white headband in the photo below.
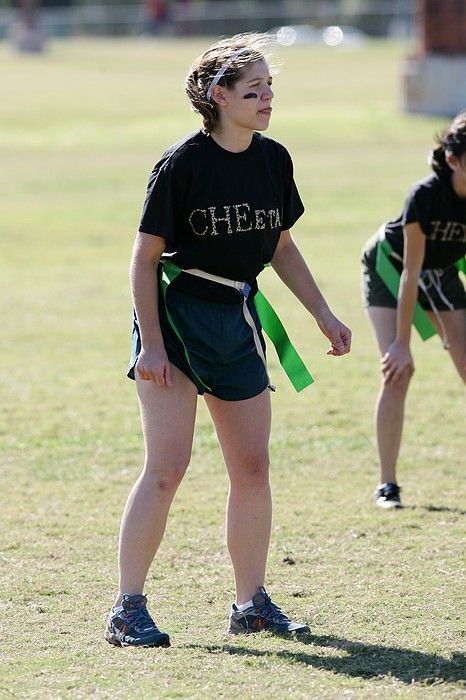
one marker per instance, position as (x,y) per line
(219,74)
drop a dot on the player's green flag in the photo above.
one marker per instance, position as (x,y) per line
(291,362)
(391,278)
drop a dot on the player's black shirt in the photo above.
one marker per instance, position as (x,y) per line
(441,214)
(219,211)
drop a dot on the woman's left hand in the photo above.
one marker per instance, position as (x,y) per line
(336,331)
(290,266)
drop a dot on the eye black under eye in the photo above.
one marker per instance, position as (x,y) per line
(250,95)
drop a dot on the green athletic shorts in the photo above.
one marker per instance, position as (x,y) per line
(375,293)
(219,342)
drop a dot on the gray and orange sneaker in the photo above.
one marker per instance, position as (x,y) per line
(263,615)
(130,625)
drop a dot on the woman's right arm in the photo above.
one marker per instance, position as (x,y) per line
(152,362)
(398,356)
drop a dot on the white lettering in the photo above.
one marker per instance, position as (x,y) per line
(207,222)
(204,213)
(215,219)
(448,231)
(242,217)
(260,219)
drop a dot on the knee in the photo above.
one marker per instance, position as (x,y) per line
(253,471)
(406,377)
(400,387)
(168,477)
(170,480)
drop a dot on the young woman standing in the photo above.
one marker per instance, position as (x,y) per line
(219,206)
(425,245)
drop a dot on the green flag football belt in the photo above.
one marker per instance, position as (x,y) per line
(461,265)
(391,278)
(291,362)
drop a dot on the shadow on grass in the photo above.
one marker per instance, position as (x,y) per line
(361,660)
(443,509)
(431,509)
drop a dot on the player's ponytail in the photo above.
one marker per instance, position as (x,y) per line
(451,141)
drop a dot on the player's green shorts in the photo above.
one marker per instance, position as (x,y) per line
(444,286)
(219,342)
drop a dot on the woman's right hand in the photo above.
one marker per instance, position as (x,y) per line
(153,364)
(395,361)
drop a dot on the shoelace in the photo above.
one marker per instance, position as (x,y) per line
(139,618)
(272,612)
(391,491)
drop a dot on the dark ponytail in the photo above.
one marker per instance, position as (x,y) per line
(452,141)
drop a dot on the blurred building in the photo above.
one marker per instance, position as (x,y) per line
(435,76)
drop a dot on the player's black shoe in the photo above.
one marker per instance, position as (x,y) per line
(131,625)
(387,496)
(263,615)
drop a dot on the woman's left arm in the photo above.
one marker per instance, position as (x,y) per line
(291,267)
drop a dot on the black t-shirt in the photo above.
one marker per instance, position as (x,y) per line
(219,211)
(441,214)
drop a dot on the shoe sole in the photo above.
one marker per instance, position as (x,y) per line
(164,641)
(387,505)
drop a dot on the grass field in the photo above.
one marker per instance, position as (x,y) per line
(80,129)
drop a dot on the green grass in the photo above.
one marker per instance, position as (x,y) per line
(80,129)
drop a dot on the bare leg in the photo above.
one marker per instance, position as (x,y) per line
(167,415)
(389,407)
(243,429)
(455,326)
